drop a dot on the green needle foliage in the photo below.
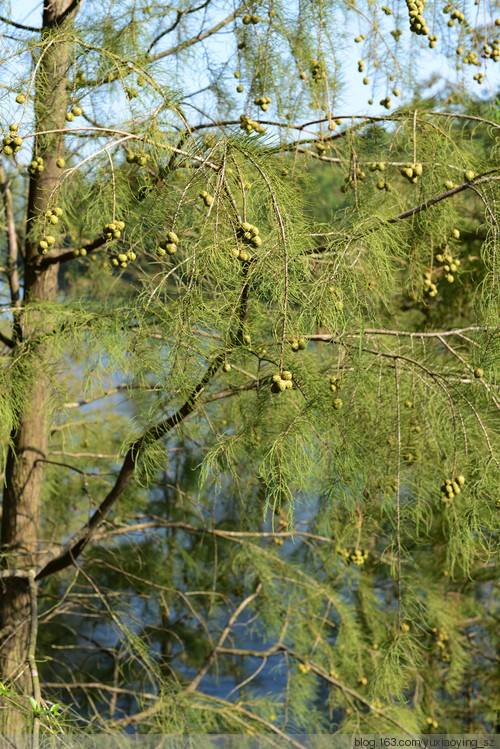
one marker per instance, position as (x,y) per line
(249,369)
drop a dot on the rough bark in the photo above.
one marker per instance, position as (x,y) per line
(24,474)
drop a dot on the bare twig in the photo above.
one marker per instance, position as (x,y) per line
(194,39)
(208,662)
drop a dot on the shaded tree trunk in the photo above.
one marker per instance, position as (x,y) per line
(24,474)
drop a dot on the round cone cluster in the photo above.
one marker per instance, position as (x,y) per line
(412,172)
(349,179)
(451,488)
(45,243)
(36,167)
(335,384)
(207,198)
(471,58)
(53,215)
(317,70)
(249,235)
(75,111)
(123,259)
(493,52)
(298,344)
(12,142)
(282,382)
(416,13)
(451,264)
(441,639)
(359,557)
(138,158)
(247,19)
(354,556)
(455,15)
(429,286)
(113,230)
(168,246)
(249,125)
(263,102)
(243,255)
(337,302)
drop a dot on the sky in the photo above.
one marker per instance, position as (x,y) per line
(354,98)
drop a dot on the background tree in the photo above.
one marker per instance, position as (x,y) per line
(249,409)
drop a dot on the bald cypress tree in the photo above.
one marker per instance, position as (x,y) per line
(249,369)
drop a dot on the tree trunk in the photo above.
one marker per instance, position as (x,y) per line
(24,474)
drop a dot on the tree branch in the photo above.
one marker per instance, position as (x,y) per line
(158,522)
(19,25)
(6,341)
(124,387)
(433,201)
(58,559)
(351,692)
(198,38)
(180,14)
(208,662)
(68,255)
